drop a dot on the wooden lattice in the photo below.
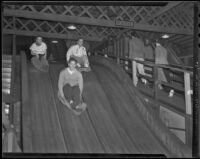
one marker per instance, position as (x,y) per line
(23,24)
(178,17)
(129,13)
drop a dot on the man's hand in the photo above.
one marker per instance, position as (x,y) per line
(86,65)
(78,64)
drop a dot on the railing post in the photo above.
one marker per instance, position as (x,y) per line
(118,60)
(155,87)
(134,72)
(188,103)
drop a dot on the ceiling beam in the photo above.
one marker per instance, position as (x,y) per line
(164,9)
(89,21)
(47,35)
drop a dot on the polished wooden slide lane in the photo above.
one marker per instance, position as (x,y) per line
(79,134)
(47,135)
(112,136)
(110,124)
(127,115)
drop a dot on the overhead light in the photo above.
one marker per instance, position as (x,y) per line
(165,36)
(54,41)
(71,27)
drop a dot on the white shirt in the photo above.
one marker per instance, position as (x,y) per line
(38,49)
(76,51)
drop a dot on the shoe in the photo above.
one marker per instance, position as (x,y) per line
(160,87)
(171,93)
(71,101)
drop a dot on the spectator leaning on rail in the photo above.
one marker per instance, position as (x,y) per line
(78,52)
(161,58)
(39,48)
(136,52)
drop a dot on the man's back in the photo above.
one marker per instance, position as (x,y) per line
(136,46)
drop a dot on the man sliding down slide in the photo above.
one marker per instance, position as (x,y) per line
(78,52)
(70,88)
(39,52)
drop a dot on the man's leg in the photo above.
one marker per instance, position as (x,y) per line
(76,96)
(140,68)
(135,79)
(67,90)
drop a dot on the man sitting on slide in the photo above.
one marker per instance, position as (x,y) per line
(39,48)
(78,52)
(70,87)
(39,52)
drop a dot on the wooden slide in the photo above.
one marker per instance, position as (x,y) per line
(110,124)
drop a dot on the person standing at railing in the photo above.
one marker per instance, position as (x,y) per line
(136,52)
(148,50)
(161,58)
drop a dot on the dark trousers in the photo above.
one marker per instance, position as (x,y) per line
(72,93)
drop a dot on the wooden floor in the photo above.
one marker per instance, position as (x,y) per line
(110,124)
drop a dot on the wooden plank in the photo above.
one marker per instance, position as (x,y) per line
(112,136)
(79,132)
(90,21)
(47,35)
(46,131)
(169,6)
(25,112)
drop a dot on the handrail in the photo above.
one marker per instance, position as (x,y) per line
(187,75)
(26,141)
(148,63)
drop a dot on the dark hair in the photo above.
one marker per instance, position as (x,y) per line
(38,37)
(72,59)
(80,38)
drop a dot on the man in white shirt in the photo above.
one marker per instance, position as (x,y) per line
(39,48)
(39,51)
(78,52)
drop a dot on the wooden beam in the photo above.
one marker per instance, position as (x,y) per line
(89,21)
(47,35)
(165,9)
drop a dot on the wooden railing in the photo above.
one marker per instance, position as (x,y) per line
(185,89)
(10,143)
(170,140)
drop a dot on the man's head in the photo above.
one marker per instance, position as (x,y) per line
(38,40)
(72,63)
(133,34)
(80,42)
(146,41)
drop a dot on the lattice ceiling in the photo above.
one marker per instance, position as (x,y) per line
(129,13)
(179,17)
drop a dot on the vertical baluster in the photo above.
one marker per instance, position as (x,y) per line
(188,103)
(155,87)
